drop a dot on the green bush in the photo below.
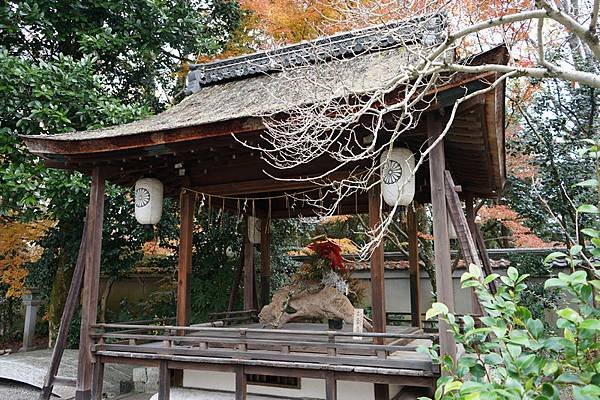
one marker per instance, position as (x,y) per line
(512,355)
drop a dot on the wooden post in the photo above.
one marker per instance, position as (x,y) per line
(241,384)
(443,267)
(97,380)
(330,387)
(184,270)
(414,270)
(248,270)
(164,381)
(382,392)
(265,261)
(91,280)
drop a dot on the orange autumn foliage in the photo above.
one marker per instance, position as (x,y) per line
(522,236)
(16,250)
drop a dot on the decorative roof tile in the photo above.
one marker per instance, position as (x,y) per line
(425,30)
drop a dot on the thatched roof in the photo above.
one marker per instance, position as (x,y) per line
(271,81)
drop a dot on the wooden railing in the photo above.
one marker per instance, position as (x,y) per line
(269,345)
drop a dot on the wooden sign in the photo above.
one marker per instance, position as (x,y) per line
(357,323)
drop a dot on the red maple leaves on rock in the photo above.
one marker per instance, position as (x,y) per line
(330,251)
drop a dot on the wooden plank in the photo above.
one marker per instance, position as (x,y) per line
(377,264)
(414,269)
(330,387)
(91,280)
(265,261)
(164,381)
(443,270)
(406,360)
(292,368)
(97,380)
(65,320)
(241,384)
(184,269)
(248,269)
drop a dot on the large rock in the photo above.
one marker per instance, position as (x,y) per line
(307,301)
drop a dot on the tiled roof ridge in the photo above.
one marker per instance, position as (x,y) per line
(342,45)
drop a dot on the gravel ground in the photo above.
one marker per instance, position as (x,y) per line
(10,390)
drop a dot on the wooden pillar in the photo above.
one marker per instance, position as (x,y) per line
(164,381)
(241,384)
(441,242)
(265,261)
(184,269)
(377,263)
(91,280)
(97,380)
(248,270)
(382,392)
(414,270)
(330,387)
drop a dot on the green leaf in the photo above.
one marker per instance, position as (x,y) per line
(493,359)
(588,183)
(490,278)
(512,273)
(554,282)
(535,327)
(588,209)
(591,324)
(570,315)
(591,232)
(554,255)
(435,310)
(568,378)
(475,270)
(575,249)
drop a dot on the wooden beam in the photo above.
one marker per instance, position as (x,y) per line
(65,320)
(184,269)
(443,269)
(414,269)
(91,280)
(265,261)
(248,270)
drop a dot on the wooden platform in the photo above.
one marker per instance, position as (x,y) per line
(302,350)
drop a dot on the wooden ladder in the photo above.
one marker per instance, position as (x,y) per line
(466,233)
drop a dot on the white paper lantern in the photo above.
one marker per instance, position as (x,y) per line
(148,201)
(397,178)
(254,230)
